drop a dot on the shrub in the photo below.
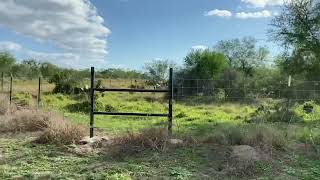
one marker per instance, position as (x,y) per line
(54,130)
(262,136)
(25,121)
(85,107)
(4,104)
(265,136)
(64,81)
(23,98)
(148,139)
(278,112)
(227,135)
(60,132)
(308,135)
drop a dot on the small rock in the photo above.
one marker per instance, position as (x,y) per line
(83,150)
(85,140)
(105,138)
(92,141)
(175,142)
(245,153)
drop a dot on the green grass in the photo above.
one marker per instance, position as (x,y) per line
(26,160)
(193,162)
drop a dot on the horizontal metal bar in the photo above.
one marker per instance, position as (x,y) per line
(130,114)
(130,90)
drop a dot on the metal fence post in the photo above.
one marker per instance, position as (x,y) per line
(92,102)
(2,79)
(10,93)
(170,101)
(39,92)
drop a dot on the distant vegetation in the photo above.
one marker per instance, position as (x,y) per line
(237,62)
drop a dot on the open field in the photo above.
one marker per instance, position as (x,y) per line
(290,150)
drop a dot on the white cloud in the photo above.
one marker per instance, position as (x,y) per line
(9,46)
(62,59)
(72,25)
(199,47)
(254,15)
(219,13)
(264,3)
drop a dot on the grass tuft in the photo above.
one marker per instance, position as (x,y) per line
(148,139)
(60,132)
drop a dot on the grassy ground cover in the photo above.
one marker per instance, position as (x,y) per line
(218,126)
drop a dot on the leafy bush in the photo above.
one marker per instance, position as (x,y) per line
(23,98)
(84,106)
(277,112)
(227,135)
(64,81)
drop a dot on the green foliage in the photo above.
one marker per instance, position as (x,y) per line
(243,54)
(277,112)
(32,68)
(48,70)
(205,64)
(24,99)
(6,62)
(297,28)
(65,81)
(180,173)
(158,71)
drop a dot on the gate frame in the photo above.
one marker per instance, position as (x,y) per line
(170,97)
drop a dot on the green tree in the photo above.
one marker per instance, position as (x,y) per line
(158,71)
(297,28)
(7,61)
(47,69)
(205,64)
(243,54)
(32,68)
(65,81)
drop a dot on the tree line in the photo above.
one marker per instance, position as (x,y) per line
(239,61)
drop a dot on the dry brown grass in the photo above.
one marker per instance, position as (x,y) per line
(4,104)
(148,139)
(54,129)
(262,136)
(62,132)
(266,137)
(24,121)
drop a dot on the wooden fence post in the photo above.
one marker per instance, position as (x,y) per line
(170,101)
(92,102)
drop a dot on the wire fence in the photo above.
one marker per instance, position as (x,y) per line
(26,92)
(210,91)
(191,91)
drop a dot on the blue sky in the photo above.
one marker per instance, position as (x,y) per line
(127,33)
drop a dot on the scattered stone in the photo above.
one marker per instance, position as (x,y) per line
(245,153)
(83,149)
(95,141)
(89,145)
(175,142)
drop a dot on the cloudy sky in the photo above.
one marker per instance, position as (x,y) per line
(127,33)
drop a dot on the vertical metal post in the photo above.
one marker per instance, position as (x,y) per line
(170,101)
(2,79)
(10,93)
(39,92)
(92,102)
